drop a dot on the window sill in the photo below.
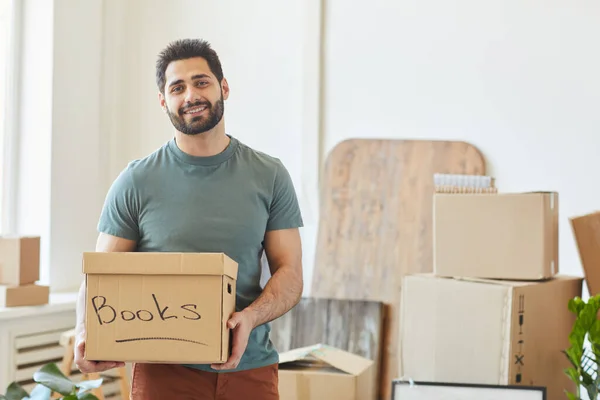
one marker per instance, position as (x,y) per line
(65,301)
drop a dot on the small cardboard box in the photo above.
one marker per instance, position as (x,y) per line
(479,331)
(323,372)
(501,236)
(25,295)
(586,230)
(19,260)
(159,307)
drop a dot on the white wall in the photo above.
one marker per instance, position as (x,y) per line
(513,78)
(35,126)
(262,47)
(94,91)
(516,78)
(62,178)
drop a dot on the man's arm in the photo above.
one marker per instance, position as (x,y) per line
(284,289)
(105,243)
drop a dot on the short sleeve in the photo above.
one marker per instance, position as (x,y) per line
(285,211)
(119,216)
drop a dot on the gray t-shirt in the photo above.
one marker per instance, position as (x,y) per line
(170,201)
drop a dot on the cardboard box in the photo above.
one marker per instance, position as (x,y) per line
(19,260)
(159,307)
(25,295)
(501,236)
(323,372)
(487,331)
(586,230)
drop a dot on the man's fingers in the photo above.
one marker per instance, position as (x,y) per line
(234,359)
(91,366)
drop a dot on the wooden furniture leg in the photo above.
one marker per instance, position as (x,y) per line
(68,341)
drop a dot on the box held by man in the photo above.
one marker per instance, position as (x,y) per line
(159,307)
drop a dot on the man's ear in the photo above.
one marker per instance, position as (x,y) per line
(162,102)
(225,88)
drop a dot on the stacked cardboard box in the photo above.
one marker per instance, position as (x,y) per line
(586,231)
(494,311)
(19,272)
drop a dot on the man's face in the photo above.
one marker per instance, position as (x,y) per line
(193,97)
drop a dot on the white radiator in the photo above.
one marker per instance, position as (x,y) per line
(29,338)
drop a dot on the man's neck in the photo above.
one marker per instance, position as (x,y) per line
(205,144)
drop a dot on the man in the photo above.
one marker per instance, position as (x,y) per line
(205,191)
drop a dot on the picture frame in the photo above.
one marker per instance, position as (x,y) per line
(424,390)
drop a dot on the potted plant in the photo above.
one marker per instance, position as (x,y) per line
(584,360)
(51,380)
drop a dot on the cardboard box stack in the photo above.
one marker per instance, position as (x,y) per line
(19,272)
(494,311)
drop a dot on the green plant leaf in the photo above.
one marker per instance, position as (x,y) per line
(40,392)
(51,376)
(86,396)
(576,305)
(70,397)
(572,396)
(84,386)
(14,391)
(573,374)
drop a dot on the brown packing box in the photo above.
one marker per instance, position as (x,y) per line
(25,295)
(19,260)
(501,236)
(323,372)
(159,307)
(487,331)
(586,229)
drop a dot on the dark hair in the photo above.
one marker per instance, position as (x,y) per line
(183,49)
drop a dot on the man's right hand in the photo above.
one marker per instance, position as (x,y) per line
(86,366)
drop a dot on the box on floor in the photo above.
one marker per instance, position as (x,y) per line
(324,372)
(586,230)
(25,295)
(19,270)
(19,260)
(159,307)
(501,236)
(487,331)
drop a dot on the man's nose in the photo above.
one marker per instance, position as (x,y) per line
(191,96)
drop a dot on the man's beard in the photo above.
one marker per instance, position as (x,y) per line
(198,124)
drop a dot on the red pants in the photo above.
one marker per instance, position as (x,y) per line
(172,381)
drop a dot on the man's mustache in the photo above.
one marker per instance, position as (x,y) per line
(196,104)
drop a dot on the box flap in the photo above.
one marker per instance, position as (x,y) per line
(501,282)
(340,359)
(127,263)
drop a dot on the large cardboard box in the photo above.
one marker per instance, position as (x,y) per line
(25,295)
(586,230)
(322,372)
(501,236)
(19,260)
(159,307)
(487,331)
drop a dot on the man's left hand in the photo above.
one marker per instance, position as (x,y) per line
(242,324)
